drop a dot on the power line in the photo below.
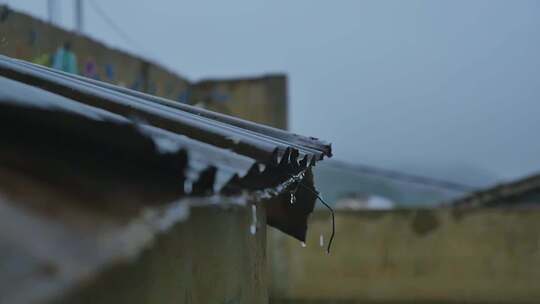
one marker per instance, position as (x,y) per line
(405,177)
(112,24)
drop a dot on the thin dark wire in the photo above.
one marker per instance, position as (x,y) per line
(331,212)
(114,26)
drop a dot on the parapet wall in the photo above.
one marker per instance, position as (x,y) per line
(484,255)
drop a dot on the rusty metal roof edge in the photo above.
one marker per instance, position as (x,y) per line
(202,156)
(142,110)
(311,144)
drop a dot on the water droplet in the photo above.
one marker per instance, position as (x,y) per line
(188,187)
(321,240)
(303,245)
(272,192)
(235,140)
(253,226)
(293,198)
(261,167)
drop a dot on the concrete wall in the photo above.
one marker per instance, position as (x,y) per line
(78,242)
(65,254)
(417,256)
(260,99)
(210,258)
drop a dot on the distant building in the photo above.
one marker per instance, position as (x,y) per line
(366,201)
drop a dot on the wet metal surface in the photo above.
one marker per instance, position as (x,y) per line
(197,151)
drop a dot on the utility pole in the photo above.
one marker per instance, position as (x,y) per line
(79,16)
(50,11)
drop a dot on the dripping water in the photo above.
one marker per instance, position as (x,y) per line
(188,186)
(331,213)
(253,226)
(293,198)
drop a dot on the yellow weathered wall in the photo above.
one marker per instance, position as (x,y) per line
(260,99)
(28,38)
(417,256)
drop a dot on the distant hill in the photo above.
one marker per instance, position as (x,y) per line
(337,180)
(458,172)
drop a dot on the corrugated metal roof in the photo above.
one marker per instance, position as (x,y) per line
(219,153)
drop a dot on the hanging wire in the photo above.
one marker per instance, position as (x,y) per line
(331,212)
(112,24)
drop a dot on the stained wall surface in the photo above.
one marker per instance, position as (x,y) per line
(210,258)
(412,256)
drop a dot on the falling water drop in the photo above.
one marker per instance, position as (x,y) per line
(188,186)
(261,167)
(303,245)
(293,198)
(321,240)
(253,226)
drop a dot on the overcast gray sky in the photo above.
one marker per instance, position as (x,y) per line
(412,85)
